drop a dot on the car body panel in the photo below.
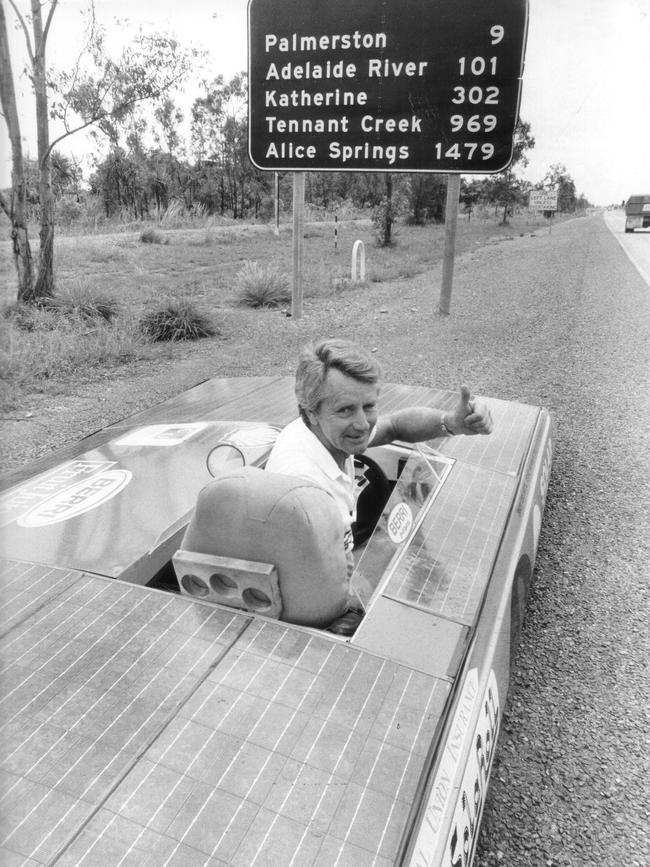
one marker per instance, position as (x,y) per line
(143,725)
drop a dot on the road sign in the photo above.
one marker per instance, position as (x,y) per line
(543,200)
(410,85)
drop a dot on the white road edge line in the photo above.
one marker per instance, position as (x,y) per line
(640,267)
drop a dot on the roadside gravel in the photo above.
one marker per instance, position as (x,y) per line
(560,319)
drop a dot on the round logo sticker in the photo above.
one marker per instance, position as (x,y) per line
(77,499)
(399,523)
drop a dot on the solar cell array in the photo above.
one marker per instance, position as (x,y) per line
(142,727)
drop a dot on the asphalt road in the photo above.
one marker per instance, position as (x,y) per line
(570,783)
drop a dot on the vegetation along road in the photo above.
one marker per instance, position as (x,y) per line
(560,318)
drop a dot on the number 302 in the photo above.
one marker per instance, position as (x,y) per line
(476,95)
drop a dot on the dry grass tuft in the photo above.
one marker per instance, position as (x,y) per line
(262,286)
(177,319)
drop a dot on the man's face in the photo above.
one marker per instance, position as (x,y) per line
(346,415)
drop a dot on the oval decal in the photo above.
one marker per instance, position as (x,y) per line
(399,523)
(77,499)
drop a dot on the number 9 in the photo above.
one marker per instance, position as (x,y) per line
(496,33)
(456,122)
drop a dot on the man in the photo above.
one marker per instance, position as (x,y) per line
(337,388)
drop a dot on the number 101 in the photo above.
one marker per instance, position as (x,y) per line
(478,65)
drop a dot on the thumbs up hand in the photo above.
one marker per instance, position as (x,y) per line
(470,416)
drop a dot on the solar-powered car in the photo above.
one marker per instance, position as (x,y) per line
(169,695)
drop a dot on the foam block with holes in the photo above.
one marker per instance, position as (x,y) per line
(291,523)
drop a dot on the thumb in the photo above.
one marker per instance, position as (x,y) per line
(465,398)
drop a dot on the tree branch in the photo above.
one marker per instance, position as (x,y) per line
(23,26)
(103,115)
(50,14)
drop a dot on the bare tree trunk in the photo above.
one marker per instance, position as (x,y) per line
(15,209)
(45,278)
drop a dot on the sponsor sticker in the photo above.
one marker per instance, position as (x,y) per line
(162,434)
(18,501)
(399,523)
(467,801)
(76,499)
(254,437)
(463,834)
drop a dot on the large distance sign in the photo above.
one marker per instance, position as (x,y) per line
(405,85)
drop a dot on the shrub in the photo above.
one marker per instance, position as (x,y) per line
(262,286)
(153,236)
(81,301)
(60,345)
(176,320)
(31,317)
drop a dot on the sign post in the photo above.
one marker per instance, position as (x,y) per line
(298,243)
(408,86)
(451,222)
(276,207)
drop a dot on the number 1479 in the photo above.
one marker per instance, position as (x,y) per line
(471,150)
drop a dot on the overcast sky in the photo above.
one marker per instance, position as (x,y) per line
(585,91)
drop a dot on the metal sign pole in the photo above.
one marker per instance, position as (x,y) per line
(451,220)
(277,203)
(298,245)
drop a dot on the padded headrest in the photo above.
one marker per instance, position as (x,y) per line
(252,514)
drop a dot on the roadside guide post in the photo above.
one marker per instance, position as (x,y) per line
(358,269)
(384,87)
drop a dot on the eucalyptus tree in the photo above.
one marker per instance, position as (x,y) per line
(220,143)
(505,189)
(558,177)
(96,90)
(15,207)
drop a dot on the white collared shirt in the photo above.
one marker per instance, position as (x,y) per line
(298,452)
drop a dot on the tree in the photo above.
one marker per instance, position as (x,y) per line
(219,140)
(470,195)
(505,189)
(425,194)
(16,207)
(96,91)
(558,176)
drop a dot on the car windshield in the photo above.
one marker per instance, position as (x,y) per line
(419,483)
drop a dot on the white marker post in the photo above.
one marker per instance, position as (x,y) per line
(358,270)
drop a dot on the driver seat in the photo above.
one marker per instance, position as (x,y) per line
(268,543)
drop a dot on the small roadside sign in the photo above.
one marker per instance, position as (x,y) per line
(543,200)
